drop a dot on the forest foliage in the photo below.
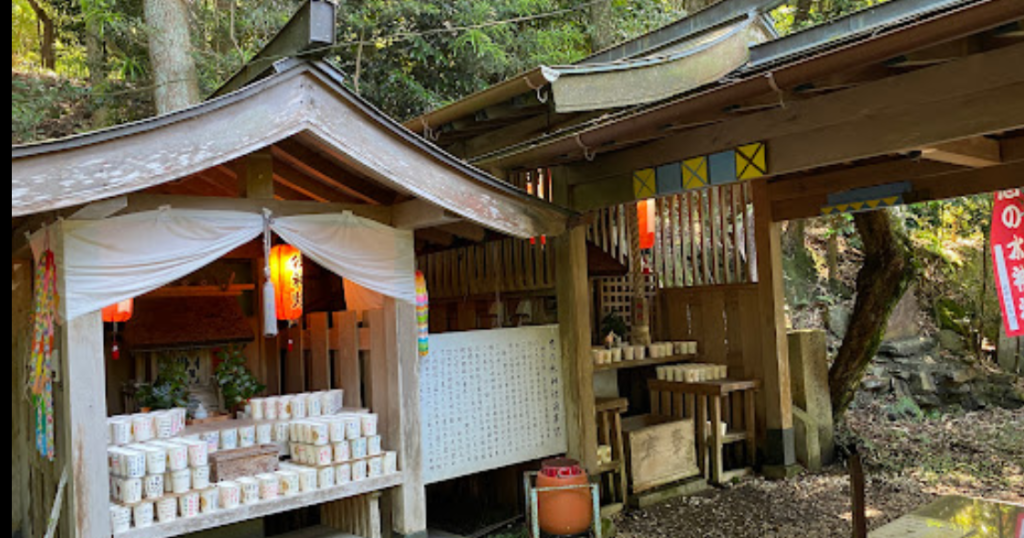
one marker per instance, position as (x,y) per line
(90,66)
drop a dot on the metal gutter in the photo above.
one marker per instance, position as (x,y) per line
(534,80)
(709,17)
(848,28)
(706,58)
(977,17)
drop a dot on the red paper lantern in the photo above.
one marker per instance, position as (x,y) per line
(120,312)
(647,217)
(286,272)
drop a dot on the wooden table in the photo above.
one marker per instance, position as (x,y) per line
(704,402)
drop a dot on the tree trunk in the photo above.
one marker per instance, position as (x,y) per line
(96,60)
(176,84)
(47,37)
(888,270)
(602,26)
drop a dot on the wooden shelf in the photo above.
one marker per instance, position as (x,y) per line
(263,509)
(646,362)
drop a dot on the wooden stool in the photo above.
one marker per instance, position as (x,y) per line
(609,433)
(707,402)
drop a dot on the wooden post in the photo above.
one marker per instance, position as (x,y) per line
(320,352)
(347,374)
(403,427)
(859,506)
(259,175)
(82,420)
(571,285)
(21,336)
(780,449)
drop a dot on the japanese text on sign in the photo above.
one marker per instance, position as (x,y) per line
(1008,257)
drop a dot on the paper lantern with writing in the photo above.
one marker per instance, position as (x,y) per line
(286,272)
(645,212)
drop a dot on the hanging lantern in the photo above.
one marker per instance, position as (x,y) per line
(286,273)
(646,213)
(118,313)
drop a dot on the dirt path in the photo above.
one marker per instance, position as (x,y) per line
(911,462)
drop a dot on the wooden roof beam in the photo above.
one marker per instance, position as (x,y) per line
(465,230)
(436,237)
(421,214)
(290,178)
(977,152)
(319,167)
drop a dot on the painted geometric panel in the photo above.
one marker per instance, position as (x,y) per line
(645,184)
(695,173)
(670,179)
(722,167)
(751,161)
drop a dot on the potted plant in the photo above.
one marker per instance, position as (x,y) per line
(237,384)
(170,389)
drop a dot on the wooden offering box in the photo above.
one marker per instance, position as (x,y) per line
(661,451)
(232,464)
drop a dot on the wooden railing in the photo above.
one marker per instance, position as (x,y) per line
(508,266)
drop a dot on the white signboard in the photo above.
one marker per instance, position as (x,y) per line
(491,399)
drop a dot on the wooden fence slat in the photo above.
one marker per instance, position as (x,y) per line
(319,352)
(347,373)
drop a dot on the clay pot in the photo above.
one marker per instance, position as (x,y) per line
(568,512)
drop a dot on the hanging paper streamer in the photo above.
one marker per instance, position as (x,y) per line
(422,313)
(43,341)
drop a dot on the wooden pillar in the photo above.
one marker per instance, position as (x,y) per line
(572,288)
(403,427)
(780,449)
(256,174)
(259,175)
(82,421)
(21,335)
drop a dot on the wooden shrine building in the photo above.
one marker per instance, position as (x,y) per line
(517,204)
(730,130)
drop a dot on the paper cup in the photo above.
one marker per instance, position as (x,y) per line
(308,479)
(200,477)
(324,455)
(289,483)
(343,474)
(359,448)
(128,490)
(319,433)
(359,470)
(212,440)
(353,427)
(315,406)
(627,353)
(336,427)
(250,490)
(281,432)
(120,519)
(375,467)
(229,439)
(153,486)
(325,477)
(374,446)
(198,453)
(189,504)
(247,436)
(369,423)
(265,434)
(120,431)
(270,486)
(181,481)
(284,408)
(299,406)
(167,510)
(270,407)
(390,463)
(230,495)
(257,408)
(209,500)
(143,515)
(342,452)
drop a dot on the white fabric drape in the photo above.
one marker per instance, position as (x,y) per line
(109,261)
(375,256)
(112,260)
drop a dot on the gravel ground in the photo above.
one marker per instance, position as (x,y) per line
(910,462)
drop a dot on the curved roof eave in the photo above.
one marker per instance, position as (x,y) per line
(305,98)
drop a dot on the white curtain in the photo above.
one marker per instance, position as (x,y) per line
(112,260)
(375,256)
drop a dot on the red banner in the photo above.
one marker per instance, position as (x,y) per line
(1008,257)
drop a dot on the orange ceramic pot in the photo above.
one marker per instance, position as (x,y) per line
(568,512)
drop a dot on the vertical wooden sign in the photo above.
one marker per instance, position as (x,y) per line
(1008,257)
